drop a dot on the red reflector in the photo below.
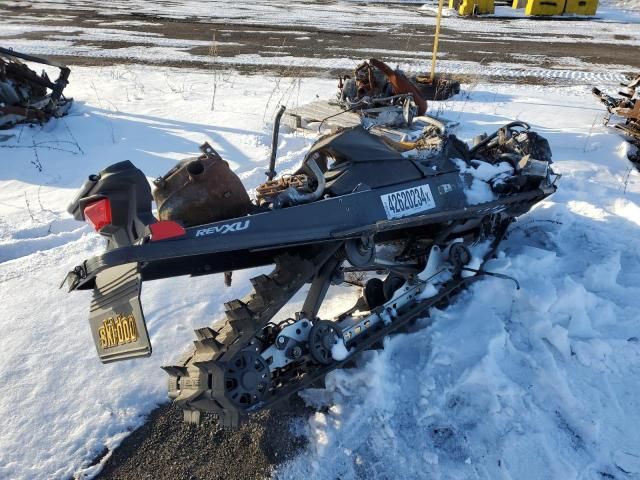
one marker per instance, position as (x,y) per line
(98,214)
(165,230)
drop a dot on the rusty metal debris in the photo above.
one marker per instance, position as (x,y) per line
(378,91)
(375,83)
(25,96)
(436,88)
(268,191)
(627,108)
(201,190)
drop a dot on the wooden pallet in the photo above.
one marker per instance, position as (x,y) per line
(315,112)
(307,117)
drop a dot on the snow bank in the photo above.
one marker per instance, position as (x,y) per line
(477,178)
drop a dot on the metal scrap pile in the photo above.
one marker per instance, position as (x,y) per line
(627,107)
(25,96)
(374,83)
(376,90)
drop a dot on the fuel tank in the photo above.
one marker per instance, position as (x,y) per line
(201,190)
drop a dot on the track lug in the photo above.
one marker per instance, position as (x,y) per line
(202,380)
(239,315)
(236,309)
(206,350)
(257,302)
(207,344)
(205,333)
(227,333)
(229,420)
(192,417)
(174,371)
(264,286)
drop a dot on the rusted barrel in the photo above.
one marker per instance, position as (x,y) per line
(201,190)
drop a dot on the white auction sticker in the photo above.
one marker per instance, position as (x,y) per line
(408,202)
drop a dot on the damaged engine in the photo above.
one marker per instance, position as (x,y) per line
(374,88)
(376,85)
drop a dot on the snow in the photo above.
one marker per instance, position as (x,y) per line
(477,176)
(339,351)
(535,383)
(296,21)
(377,14)
(620,10)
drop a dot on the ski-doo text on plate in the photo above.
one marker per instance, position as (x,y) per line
(117,322)
(408,202)
(118,330)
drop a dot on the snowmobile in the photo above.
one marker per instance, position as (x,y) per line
(374,83)
(419,216)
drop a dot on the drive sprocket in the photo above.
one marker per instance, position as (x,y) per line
(247,378)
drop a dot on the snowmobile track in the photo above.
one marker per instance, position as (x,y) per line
(197,372)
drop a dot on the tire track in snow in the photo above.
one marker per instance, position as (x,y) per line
(576,76)
(24,247)
(72,246)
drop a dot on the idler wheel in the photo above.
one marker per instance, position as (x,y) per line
(374,293)
(360,252)
(392,283)
(322,337)
(247,378)
(459,256)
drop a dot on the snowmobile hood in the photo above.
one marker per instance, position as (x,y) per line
(356,145)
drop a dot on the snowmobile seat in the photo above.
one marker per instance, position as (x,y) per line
(356,144)
(361,158)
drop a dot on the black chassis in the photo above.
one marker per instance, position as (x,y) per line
(255,240)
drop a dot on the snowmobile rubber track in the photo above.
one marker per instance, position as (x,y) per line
(197,382)
(420,308)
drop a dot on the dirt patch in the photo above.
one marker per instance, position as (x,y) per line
(166,448)
(402,44)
